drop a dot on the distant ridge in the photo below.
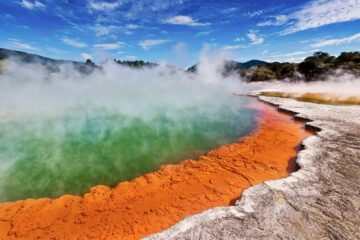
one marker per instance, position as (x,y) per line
(29,57)
(231,65)
(315,67)
(51,64)
(253,63)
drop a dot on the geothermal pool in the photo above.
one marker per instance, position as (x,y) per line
(62,132)
(68,153)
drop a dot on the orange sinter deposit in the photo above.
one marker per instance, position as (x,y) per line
(157,200)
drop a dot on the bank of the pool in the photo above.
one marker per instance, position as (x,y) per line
(316,202)
(158,200)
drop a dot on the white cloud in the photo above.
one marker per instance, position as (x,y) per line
(184,20)
(203,33)
(137,9)
(317,13)
(297,56)
(323,12)
(74,42)
(149,43)
(289,59)
(233,47)
(109,46)
(277,21)
(229,10)
(101,30)
(129,28)
(336,41)
(239,39)
(32,5)
(130,57)
(18,44)
(86,56)
(254,38)
(132,26)
(255,13)
(104,6)
(298,53)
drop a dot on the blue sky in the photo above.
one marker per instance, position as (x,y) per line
(176,31)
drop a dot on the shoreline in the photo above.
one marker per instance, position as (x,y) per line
(319,201)
(158,200)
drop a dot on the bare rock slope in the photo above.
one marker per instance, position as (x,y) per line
(320,201)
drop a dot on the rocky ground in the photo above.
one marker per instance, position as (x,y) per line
(320,201)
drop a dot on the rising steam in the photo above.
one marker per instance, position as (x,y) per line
(63,131)
(338,83)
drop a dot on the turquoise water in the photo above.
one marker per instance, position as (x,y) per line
(69,153)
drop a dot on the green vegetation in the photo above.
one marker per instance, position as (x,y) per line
(261,74)
(272,71)
(235,67)
(312,68)
(88,62)
(2,65)
(136,64)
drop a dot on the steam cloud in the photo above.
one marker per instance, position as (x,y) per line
(340,83)
(63,131)
(31,89)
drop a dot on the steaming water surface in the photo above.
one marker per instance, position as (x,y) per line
(55,140)
(73,152)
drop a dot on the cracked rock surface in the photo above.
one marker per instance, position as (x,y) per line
(319,201)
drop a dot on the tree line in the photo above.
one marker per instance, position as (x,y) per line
(132,64)
(315,67)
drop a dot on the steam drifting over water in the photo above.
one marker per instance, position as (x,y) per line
(63,132)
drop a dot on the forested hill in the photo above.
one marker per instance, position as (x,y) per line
(230,65)
(316,67)
(28,57)
(51,64)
